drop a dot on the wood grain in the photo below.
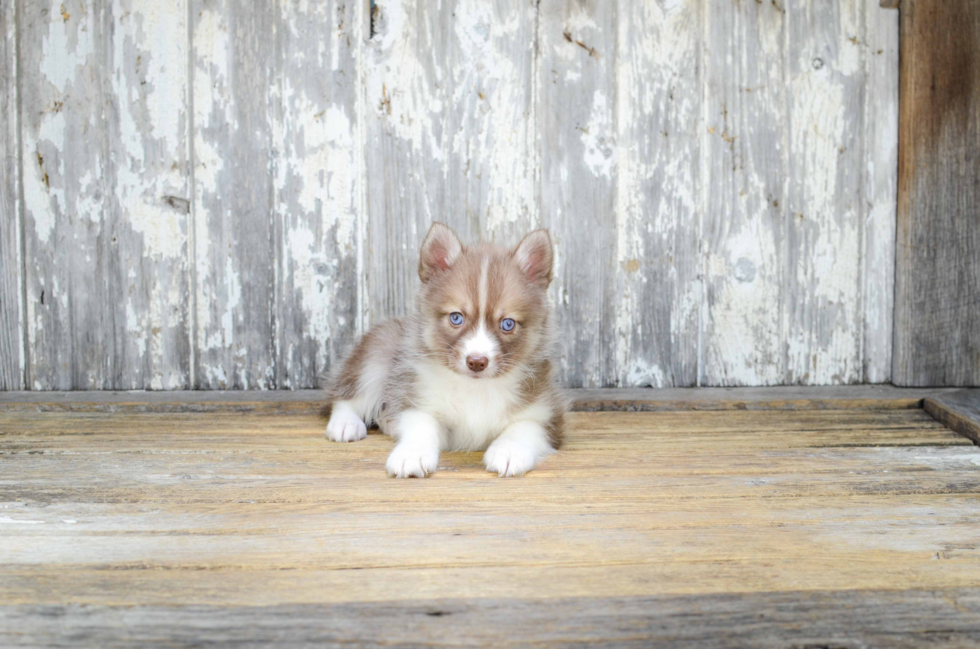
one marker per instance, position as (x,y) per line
(937,307)
(823,199)
(576,110)
(865,397)
(958,411)
(658,175)
(788,90)
(218,197)
(880,190)
(234,66)
(319,177)
(846,618)
(449,119)
(11,262)
(63,79)
(876,397)
(744,185)
(147,204)
(105,194)
(121,526)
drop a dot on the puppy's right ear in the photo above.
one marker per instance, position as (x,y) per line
(439,250)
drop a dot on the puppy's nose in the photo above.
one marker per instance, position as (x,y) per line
(477,363)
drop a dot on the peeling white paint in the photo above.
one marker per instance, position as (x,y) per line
(233,298)
(497,137)
(44,192)
(151,112)
(66,47)
(824,341)
(881,150)
(306,255)
(656,203)
(325,170)
(476,109)
(399,88)
(642,374)
(599,138)
(134,327)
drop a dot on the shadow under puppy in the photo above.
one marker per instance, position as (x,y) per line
(468,370)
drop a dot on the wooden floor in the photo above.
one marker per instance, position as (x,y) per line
(840,528)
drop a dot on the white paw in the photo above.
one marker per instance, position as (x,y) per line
(509,458)
(412,460)
(345,425)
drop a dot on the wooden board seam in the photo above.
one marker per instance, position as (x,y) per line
(583,400)
(962,420)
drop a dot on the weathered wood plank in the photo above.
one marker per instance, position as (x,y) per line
(99,522)
(810,470)
(578,148)
(346,543)
(773,398)
(450,134)
(845,618)
(106,194)
(234,65)
(937,295)
(11,262)
(880,190)
(658,116)
(295,429)
(200,586)
(745,178)
(168,515)
(823,203)
(791,229)
(648,461)
(319,177)
(494,118)
(958,411)
(872,397)
(314,519)
(148,281)
(65,160)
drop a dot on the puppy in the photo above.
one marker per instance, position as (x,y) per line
(468,370)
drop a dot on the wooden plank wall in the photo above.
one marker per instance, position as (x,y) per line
(218,194)
(937,312)
(11,266)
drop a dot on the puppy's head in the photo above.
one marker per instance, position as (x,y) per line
(483,308)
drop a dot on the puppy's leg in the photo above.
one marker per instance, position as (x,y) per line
(356,393)
(345,423)
(417,452)
(518,449)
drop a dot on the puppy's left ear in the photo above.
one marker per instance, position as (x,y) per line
(535,257)
(439,250)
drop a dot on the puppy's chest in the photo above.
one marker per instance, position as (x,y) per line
(473,410)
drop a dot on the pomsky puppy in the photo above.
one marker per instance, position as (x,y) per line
(468,370)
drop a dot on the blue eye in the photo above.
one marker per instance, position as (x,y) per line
(507,324)
(456,318)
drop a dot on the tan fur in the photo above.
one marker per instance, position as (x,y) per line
(486,283)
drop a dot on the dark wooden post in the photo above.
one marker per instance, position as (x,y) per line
(937,274)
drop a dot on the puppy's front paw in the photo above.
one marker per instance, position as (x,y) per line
(412,460)
(345,426)
(509,458)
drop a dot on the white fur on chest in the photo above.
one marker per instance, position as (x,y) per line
(473,411)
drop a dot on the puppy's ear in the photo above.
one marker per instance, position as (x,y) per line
(535,257)
(439,250)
